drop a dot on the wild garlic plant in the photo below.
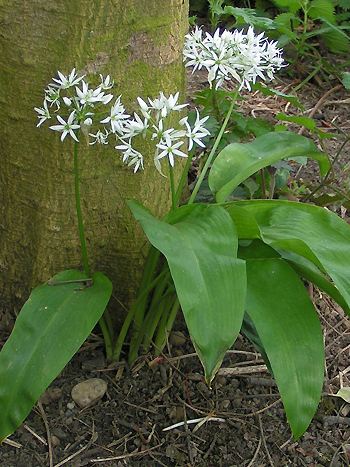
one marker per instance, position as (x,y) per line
(236,57)
(93,114)
(240,266)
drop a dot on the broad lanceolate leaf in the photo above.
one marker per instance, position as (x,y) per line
(309,231)
(290,332)
(311,273)
(239,161)
(201,250)
(50,328)
(254,249)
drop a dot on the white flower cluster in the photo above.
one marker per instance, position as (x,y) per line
(78,102)
(169,142)
(80,108)
(238,55)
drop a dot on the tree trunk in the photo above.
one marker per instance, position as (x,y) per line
(139,43)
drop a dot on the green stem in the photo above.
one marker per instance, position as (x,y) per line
(307,79)
(79,213)
(156,309)
(172,187)
(142,297)
(165,328)
(215,103)
(211,155)
(107,338)
(105,325)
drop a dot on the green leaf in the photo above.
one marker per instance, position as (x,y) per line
(286,24)
(201,250)
(336,42)
(344,4)
(292,5)
(309,231)
(346,80)
(287,324)
(248,16)
(306,122)
(250,332)
(238,161)
(311,273)
(335,38)
(50,328)
(322,9)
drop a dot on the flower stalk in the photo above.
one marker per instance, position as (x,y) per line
(211,154)
(81,230)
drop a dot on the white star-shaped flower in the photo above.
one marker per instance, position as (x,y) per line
(100,137)
(117,117)
(43,113)
(197,133)
(65,82)
(170,149)
(67,127)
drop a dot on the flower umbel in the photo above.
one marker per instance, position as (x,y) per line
(233,55)
(78,105)
(159,116)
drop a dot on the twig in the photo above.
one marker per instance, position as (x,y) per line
(242,371)
(194,420)
(126,456)
(14,444)
(255,454)
(48,434)
(264,442)
(194,354)
(93,438)
(257,412)
(32,432)
(188,437)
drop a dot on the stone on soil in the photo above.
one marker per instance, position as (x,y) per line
(88,392)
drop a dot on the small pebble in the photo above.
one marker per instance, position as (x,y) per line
(88,392)
(70,405)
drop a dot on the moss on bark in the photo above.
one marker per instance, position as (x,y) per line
(138,42)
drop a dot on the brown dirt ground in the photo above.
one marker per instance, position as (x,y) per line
(126,426)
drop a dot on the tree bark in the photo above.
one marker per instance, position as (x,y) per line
(139,43)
